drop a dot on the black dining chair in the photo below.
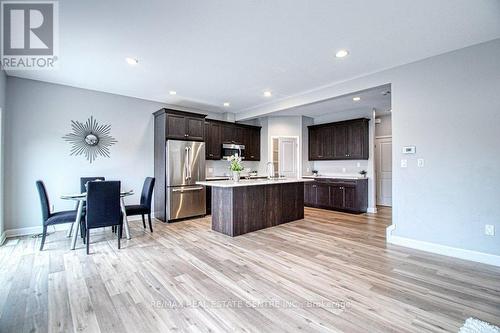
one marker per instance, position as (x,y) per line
(68,216)
(85,180)
(144,208)
(103,207)
(83,189)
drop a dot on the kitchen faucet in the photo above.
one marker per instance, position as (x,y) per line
(270,170)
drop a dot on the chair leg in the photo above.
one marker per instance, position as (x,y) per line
(88,241)
(119,235)
(83,232)
(150,224)
(143,221)
(44,234)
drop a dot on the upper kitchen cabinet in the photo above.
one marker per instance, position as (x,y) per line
(218,132)
(213,140)
(345,140)
(227,133)
(252,143)
(180,125)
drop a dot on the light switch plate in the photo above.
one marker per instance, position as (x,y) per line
(489,230)
(420,162)
(404,163)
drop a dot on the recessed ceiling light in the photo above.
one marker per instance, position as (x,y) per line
(342,53)
(132,61)
(171,92)
(226,104)
(357,98)
(267,94)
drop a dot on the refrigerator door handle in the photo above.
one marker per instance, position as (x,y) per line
(186,163)
(189,164)
(187,189)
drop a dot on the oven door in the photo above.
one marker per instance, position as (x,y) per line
(229,150)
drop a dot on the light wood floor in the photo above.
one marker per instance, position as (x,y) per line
(330,272)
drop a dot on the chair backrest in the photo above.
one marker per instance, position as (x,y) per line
(103,204)
(44,199)
(147,192)
(85,180)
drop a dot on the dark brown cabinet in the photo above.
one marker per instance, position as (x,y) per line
(213,147)
(337,194)
(218,132)
(227,131)
(346,140)
(180,125)
(252,143)
(195,128)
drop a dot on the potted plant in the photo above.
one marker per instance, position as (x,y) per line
(235,166)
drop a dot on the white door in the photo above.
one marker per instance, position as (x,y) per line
(288,157)
(383,166)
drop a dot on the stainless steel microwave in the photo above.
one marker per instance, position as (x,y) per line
(229,150)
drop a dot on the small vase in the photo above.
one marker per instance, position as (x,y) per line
(236,176)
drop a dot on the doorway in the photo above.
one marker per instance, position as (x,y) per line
(383,169)
(285,156)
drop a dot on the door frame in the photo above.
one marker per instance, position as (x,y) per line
(376,167)
(297,151)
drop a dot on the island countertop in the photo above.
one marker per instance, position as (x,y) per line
(252,182)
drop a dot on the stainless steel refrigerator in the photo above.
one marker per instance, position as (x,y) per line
(185,165)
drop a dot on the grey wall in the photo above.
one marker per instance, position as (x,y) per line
(384,128)
(3,88)
(449,108)
(39,114)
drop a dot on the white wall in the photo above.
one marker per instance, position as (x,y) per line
(3,87)
(39,114)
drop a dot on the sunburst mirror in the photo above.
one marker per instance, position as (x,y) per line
(90,139)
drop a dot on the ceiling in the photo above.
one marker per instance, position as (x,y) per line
(211,52)
(378,98)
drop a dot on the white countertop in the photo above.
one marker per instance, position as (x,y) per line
(227,177)
(336,177)
(252,182)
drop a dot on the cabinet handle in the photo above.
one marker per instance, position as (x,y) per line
(211,154)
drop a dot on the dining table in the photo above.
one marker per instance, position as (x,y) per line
(81,198)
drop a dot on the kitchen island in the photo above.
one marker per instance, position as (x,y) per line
(254,204)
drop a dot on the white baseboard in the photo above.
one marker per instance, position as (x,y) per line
(455,252)
(372,210)
(3,237)
(26,231)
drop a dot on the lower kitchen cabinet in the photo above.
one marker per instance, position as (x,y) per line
(337,194)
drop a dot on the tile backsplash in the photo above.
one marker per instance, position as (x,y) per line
(221,168)
(340,167)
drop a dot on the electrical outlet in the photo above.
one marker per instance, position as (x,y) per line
(404,163)
(358,165)
(489,230)
(308,169)
(344,170)
(420,162)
